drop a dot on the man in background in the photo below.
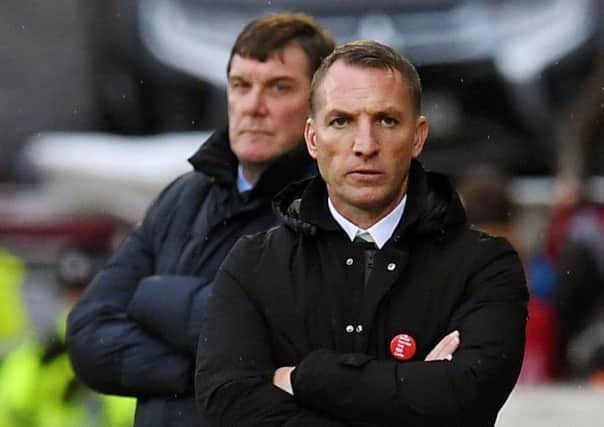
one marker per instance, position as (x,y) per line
(135,330)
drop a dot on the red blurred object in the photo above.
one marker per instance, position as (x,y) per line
(539,365)
(80,230)
(557,230)
(41,238)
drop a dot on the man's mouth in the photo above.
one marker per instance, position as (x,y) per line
(367,172)
(256,131)
(365,175)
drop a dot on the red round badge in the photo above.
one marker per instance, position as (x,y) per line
(402,347)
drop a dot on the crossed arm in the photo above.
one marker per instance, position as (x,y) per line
(442,351)
(134,332)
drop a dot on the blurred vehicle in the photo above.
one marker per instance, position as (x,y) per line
(496,72)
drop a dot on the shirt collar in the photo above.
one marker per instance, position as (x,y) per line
(381,231)
(243,184)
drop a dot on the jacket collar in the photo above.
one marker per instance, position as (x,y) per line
(432,205)
(216,160)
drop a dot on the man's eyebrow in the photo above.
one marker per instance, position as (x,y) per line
(337,112)
(389,111)
(283,78)
(236,77)
(287,79)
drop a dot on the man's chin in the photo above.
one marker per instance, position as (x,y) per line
(369,200)
(254,155)
(254,139)
(257,163)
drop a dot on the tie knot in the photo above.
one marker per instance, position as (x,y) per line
(363,236)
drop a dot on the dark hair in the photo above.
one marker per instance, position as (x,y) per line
(264,36)
(370,54)
(485,191)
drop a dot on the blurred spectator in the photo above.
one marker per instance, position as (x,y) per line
(579,295)
(490,207)
(37,384)
(575,234)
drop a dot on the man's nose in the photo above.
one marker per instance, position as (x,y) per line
(255,103)
(365,140)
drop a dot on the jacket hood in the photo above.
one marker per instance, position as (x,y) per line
(433,206)
(216,160)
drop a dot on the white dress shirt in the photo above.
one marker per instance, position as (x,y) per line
(381,231)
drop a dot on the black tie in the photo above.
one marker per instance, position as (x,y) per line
(365,241)
(363,238)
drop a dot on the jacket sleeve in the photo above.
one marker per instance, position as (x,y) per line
(112,352)
(175,319)
(469,390)
(233,384)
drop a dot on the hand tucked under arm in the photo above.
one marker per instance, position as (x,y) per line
(445,348)
(282,378)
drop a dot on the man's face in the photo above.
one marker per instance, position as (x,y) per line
(267,105)
(363,135)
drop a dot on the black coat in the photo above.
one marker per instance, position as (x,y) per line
(134,331)
(289,296)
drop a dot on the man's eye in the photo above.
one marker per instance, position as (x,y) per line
(388,122)
(238,84)
(280,87)
(339,122)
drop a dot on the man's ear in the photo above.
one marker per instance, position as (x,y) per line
(310,136)
(421,133)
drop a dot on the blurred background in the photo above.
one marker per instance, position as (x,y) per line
(102,102)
